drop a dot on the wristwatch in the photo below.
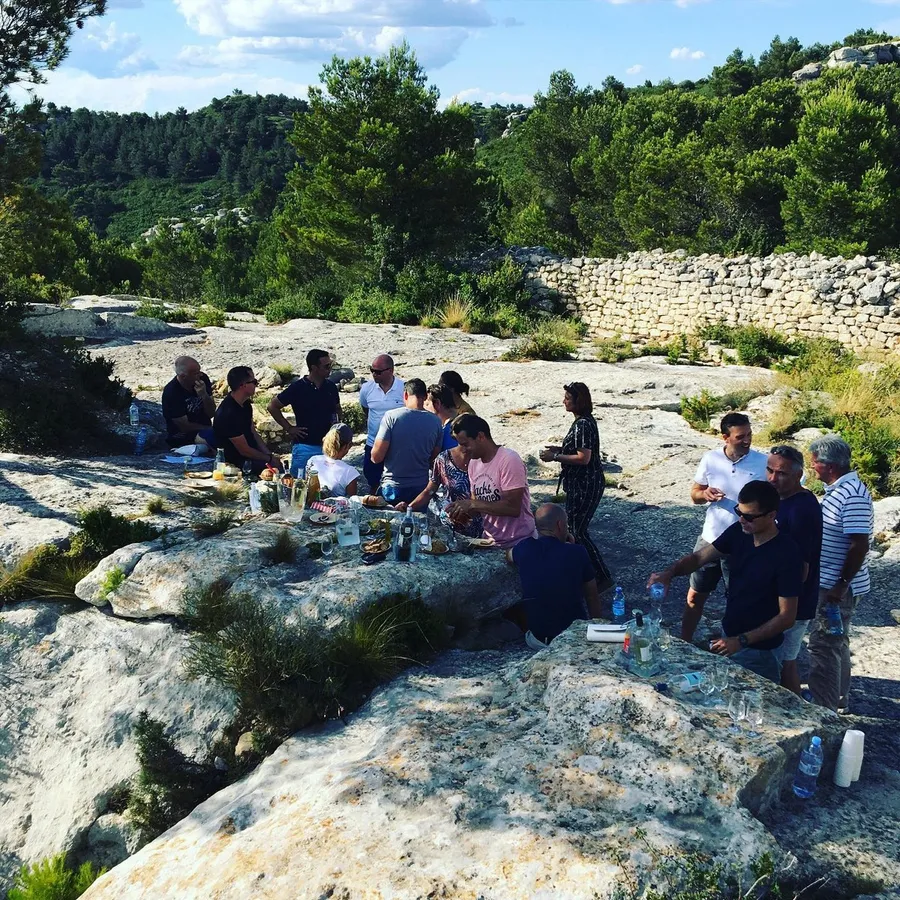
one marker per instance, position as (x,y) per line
(742,640)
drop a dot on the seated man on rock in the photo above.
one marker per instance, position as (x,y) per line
(557,577)
(187,405)
(766,576)
(233,425)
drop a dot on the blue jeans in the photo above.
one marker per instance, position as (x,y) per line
(372,471)
(763,662)
(301,455)
(395,494)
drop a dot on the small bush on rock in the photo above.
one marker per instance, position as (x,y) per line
(52,879)
(210,317)
(103,532)
(44,573)
(209,526)
(374,305)
(354,415)
(613,350)
(552,339)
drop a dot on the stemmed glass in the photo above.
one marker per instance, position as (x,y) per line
(664,640)
(755,714)
(721,676)
(327,545)
(737,709)
(707,685)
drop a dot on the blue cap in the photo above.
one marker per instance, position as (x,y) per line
(817,741)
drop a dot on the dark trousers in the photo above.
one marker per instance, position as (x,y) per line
(583,495)
(372,471)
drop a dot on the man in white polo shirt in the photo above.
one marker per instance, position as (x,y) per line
(718,481)
(848,522)
(383,393)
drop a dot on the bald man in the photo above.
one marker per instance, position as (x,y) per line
(380,395)
(557,577)
(187,404)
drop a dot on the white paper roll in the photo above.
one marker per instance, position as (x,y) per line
(843,770)
(606,634)
(857,766)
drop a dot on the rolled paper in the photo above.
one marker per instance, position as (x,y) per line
(606,634)
(843,770)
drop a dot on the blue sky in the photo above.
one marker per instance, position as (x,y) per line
(157,55)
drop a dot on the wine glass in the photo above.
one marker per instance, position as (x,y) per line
(707,685)
(664,641)
(737,709)
(754,712)
(721,676)
(327,545)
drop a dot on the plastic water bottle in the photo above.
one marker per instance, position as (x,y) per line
(134,414)
(618,605)
(833,617)
(141,440)
(808,770)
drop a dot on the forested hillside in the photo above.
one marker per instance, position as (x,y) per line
(124,172)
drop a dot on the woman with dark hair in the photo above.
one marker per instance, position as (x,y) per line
(582,473)
(453,380)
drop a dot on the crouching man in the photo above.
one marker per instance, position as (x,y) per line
(766,574)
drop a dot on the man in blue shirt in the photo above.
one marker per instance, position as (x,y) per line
(766,576)
(557,577)
(800,516)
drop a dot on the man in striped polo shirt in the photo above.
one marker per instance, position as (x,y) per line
(848,522)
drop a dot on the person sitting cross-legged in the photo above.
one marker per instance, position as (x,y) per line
(557,575)
(766,575)
(233,425)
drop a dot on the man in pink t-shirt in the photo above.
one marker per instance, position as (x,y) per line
(499,484)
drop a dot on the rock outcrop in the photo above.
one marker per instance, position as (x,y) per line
(60,321)
(867,57)
(74,682)
(486,776)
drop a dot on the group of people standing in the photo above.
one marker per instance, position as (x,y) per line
(786,560)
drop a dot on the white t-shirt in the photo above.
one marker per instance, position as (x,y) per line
(334,474)
(846,510)
(378,402)
(718,471)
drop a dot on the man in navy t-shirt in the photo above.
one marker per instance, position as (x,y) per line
(766,574)
(187,404)
(800,516)
(557,576)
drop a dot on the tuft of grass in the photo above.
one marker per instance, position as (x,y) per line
(755,346)
(210,317)
(613,350)
(283,549)
(552,339)
(155,506)
(285,372)
(794,413)
(697,411)
(456,311)
(53,879)
(103,532)
(218,523)
(44,573)
(112,581)
(354,415)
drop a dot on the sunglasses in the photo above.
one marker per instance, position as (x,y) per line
(750,517)
(380,371)
(252,381)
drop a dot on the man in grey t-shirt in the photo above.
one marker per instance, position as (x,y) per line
(407,442)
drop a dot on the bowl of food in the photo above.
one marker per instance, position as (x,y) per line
(437,548)
(377,545)
(322,518)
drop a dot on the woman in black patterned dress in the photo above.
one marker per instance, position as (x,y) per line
(582,473)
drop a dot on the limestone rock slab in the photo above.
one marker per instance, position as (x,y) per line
(490,777)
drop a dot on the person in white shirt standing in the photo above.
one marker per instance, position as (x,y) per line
(383,393)
(848,523)
(718,481)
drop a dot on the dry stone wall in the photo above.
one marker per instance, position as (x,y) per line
(655,296)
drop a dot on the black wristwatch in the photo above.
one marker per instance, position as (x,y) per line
(742,640)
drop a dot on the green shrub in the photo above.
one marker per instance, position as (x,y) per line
(209,526)
(210,317)
(613,350)
(285,372)
(376,306)
(102,532)
(149,310)
(424,284)
(293,307)
(112,581)
(697,411)
(552,339)
(17,581)
(816,364)
(155,506)
(875,449)
(317,299)
(794,413)
(168,785)
(354,415)
(755,346)
(52,879)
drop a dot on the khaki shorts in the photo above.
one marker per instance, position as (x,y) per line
(705,580)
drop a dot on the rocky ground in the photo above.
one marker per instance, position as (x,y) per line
(642,524)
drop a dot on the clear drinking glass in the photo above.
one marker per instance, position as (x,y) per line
(755,713)
(664,639)
(327,545)
(707,685)
(737,709)
(721,676)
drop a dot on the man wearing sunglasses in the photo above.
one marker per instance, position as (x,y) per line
(766,575)
(380,395)
(233,425)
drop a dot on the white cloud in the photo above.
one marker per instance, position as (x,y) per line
(154,91)
(477,95)
(686,53)
(111,38)
(139,61)
(634,70)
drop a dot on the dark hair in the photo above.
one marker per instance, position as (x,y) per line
(472,426)
(792,454)
(415,387)
(762,494)
(453,380)
(313,357)
(237,376)
(732,420)
(581,398)
(441,393)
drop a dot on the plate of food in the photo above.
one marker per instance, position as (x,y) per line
(379,545)
(322,518)
(481,543)
(200,476)
(372,501)
(437,548)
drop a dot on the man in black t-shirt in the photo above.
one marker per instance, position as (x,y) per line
(766,574)
(187,403)
(316,405)
(233,425)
